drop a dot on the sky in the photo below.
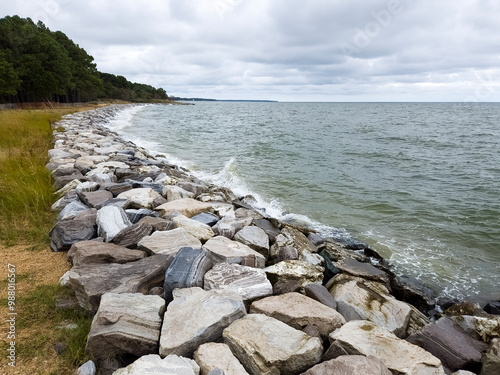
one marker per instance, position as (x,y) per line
(289,50)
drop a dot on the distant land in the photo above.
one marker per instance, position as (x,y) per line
(217,100)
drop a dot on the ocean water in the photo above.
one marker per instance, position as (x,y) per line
(419,182)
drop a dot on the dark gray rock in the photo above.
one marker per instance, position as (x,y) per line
(413,291)
(334,350)
(320,294)
(207,218)
(130,236)
(94,198)
(287,253)
(269,227)
(134,215)
(63,180)
(158,187)
(157,223)
(93,252)
(196,189)
(289,286)
(92,281)
(315,239)
(364,270)
(330,269)
(70,196)
(493,307)
(187,270)
(116,189)
(448,342)
(117,202)
(81,228)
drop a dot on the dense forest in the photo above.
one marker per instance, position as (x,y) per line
(37,64)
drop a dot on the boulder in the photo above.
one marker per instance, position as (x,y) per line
(248,282)
(187,206)
(81,228)
(135,215)
(158,224)
(207,218)
(448,342)
(88,368)
(195,189)
(94,252)
(126,323)
(186,270)
(62,202)
(195,317)
(110,221)
(359,299)
(153,364)
(199,230)
(90,282)
(168,242)
(130,236)
(298,240)
(283,287)
(350,365)
(271,229)
(482,328)
(222,249)
(265,345)
(255,238)
(71,209)
(320,294)
(175,192)
(493,307)
(361,337)
(490,364)
(140,197)
(94,198)
(228,226)
(117,189)
(295,270)
(413,291)
(287,253)
(211,356)
(298,311)
(363,270)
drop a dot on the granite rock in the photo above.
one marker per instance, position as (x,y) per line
(175,192)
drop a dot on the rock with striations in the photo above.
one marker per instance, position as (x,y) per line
(126,323)
(70,196)
(212,356)
(255,238)
(118,188)
(265,345)
(72,209)
(359,299)
(186,270)
(88,368)
(94,252)
(224,250)
(350,365)
(195,317)
(207,218)
(90,282)
(81,228)
(295,270)
(95,198)
(248,282)
(140,197)
(299,311)
(448,342)
(199,230)
(361,337)
(153,364)
(168,241)
(187,206)
(135,215)
(110,221)
(130,236)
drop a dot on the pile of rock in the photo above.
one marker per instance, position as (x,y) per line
(184,277)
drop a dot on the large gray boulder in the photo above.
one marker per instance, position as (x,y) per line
(186,270)
(361,337)
(265,345)
(140,197)
(94,198)
(299,311)
(127,323)
(94,252)
(248,282)
(90,282)
(195,317)
(187,206)
(255,238)
(67,232)
(350,365)
(132,235)
(168,242)
(222,249)
(211,356)
(153,364)
(110,221)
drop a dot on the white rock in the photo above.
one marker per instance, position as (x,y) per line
(222,249)
(140,197)
(168,242)
(199,230)
(187,206)
(110,221)
(153,365)
(175,192)
(217,355)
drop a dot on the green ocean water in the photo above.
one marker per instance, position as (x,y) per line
(419,182)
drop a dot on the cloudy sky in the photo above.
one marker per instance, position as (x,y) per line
(289,50)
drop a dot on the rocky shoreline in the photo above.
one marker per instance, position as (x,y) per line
(184,277)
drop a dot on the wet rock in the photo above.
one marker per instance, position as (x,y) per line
(363,270)
(315,239)
(199,230)
(295,270)
(110,221)
(298,311)
(448,342)
(187,206)
(93,252)
(186,270)
(153,364)
(212,356)
(126,323)
(222,249)
(337,252)
(253,340)
(81,228)
(320,294)
(361,337)
(130,236)
(207,218)
(248,282)
(168,242)
(140,197)
(493,307)
(186,326)
(350,365)
(413,291)
(135,215)
(255,238)
(90,282)
(298,240)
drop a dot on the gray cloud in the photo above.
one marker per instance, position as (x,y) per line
(289,49)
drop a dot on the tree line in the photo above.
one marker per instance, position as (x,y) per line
(37,64)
